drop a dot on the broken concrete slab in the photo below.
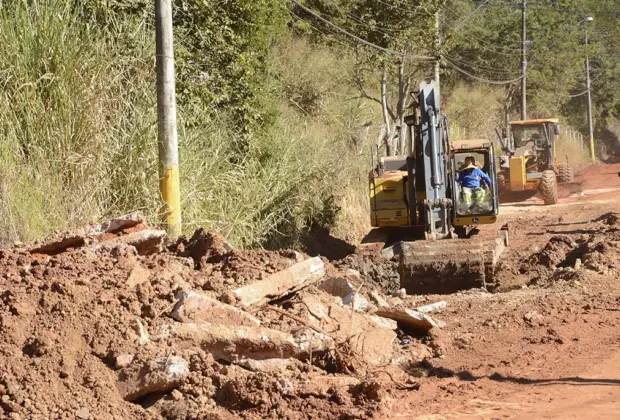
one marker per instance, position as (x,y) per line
(337,286)
(146,242)
(233,343)
(341,287)
(125,221)
(437,306)
(409,318)
(369,337)
(378,299)
(160,375)
(268,365)
(384,322)
(194,306)
(278,284)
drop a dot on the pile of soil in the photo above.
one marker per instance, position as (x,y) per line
(76,323)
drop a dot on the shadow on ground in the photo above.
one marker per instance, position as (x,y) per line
(464,375)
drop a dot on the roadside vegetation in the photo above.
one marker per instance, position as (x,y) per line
(277,112)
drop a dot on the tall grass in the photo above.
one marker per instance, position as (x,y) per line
(78,135)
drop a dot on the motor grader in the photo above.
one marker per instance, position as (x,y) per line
(417,210)
(529,163)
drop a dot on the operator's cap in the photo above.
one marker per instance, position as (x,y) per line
(470,163)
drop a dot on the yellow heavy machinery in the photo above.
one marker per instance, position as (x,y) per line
(529,162)
(417,209)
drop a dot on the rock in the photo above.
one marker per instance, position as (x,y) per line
(139,328)
(137,276)
(437,306)
(374,345)
(82,413)
(384,322)
(378,299)
(534,318)
(124,222)
(146,242)
(337,286)
(577,264)
(160,375)
(401,293)
(463,341)
(410,319)
(231,343)
(123,360)
(276,285)
(267,365)
(196,306)
(342,288)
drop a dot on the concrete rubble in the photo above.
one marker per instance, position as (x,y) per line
(195,306)
(159,375)
(199,304)
(232,343)
(286,281)
(410,319)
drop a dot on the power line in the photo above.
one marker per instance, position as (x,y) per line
(462,62)
(480,79)
(469,16)
(319,30)
(360,40)
(402,7)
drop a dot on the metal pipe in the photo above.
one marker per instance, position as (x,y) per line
(435,176)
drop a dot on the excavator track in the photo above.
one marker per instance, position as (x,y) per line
(450,265)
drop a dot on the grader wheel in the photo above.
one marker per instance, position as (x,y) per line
(549,187)
(565,173)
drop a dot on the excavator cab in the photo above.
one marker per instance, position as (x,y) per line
(484,205)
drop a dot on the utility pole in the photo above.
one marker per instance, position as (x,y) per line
(438,40)
(523,62)
(590,125)
(167,119)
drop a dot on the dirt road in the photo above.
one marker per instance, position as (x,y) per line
(548,345)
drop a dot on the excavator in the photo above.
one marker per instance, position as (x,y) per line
(418,212)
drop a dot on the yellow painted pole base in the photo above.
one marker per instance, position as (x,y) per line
(592,150)
(171,196)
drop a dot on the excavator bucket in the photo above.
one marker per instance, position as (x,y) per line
(450,265)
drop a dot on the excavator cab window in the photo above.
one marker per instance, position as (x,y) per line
(473,200)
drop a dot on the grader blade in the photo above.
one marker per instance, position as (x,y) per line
(450,265)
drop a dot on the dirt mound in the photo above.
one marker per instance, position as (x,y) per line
(564,258)
(88,332)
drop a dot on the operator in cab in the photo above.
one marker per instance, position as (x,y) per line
(470,179)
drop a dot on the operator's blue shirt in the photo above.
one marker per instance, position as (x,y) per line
(471,178)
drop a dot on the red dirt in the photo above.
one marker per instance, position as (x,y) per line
(546,346)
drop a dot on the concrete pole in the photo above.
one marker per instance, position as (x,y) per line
(438,41)
(590,124)
(167,119)
(523,62)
